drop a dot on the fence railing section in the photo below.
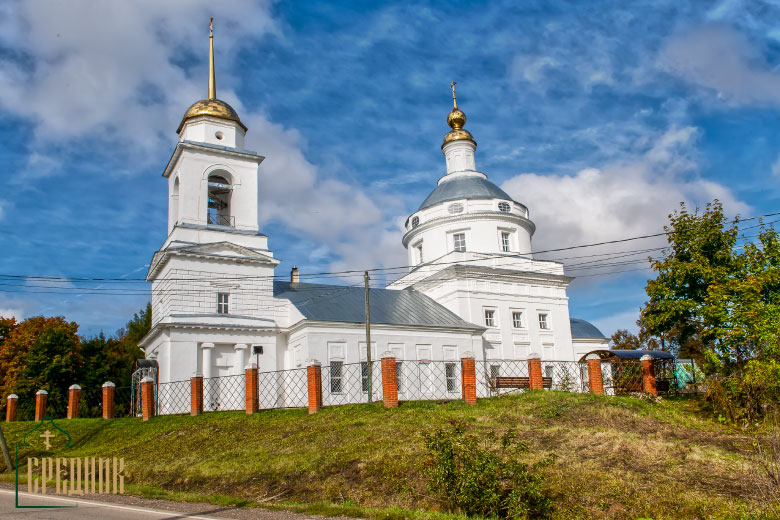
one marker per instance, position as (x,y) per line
(347,383)
(283,389)
(173,397)
(222,393)
(428,380)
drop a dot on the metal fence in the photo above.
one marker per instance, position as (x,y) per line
(347,383)
(428,380)
(283,389)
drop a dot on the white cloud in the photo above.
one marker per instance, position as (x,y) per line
(719,58)
(623,199)
(111,71)
(108,69)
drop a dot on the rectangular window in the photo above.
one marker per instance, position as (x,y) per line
(399,376)
(490,318)
(517,320)
(451,376)
(336,377)
(548,370)
(222,303)
(420,253)
(459,241)
(495,371)
(544,323)
(364,376)
(505,241)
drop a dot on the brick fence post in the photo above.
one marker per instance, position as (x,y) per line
(196,394)
(147,398)
(535,381)
(389,381)
(252,394)
(10,410)
(41,399)
(648,375)
(595,380)
(314,385)
(468,378)
(108,400)
(74,397)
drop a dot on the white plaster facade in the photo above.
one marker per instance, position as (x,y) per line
(214,298)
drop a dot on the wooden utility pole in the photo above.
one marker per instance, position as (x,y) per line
(7,456)
(368,338)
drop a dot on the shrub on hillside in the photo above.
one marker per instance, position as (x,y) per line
(748,396)
(483,476)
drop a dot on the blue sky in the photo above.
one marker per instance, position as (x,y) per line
(599,116)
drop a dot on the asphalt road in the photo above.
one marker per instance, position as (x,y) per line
(126,507)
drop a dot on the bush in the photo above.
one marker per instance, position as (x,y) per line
(482,476)
(748,396)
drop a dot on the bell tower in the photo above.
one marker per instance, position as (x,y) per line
(212,179)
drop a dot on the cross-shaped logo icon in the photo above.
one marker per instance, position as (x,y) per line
(47,435)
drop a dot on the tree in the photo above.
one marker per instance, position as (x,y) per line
(624,340)
(41,353)
(700,254)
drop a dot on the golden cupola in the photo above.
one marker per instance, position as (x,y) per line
(456,120)
(212,106)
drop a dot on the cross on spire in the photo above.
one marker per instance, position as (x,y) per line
(454,99)
(212,76)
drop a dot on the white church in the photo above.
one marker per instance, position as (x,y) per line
(473,287)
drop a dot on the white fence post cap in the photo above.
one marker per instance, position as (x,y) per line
(646,357)
(534,355)
(13,396)
(147,379)
(41,392)
(108,384)
(592,356)
(387,354)
(467,355)
(313,362)
(250,365)
(197,374)
(74,387)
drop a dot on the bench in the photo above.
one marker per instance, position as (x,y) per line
(516,382)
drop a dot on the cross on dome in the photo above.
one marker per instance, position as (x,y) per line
(456,120)
(211,106)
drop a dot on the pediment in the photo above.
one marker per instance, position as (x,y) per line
(224,249)
(216,250)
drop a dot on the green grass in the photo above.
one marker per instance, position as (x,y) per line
(615,457)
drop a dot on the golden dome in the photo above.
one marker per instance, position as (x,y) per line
(213,108)
(456,119)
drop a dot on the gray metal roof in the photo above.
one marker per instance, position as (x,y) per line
(581,329)
(347,304)
(464,188)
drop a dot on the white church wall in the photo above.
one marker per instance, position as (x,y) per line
(214,131)
(188,285)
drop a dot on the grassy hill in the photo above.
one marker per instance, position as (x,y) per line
(614,457)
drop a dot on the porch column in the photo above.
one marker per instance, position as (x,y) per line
(209,387)
(207,350)
(241,350)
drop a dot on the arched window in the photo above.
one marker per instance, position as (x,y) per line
(175,202)
(219,201)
